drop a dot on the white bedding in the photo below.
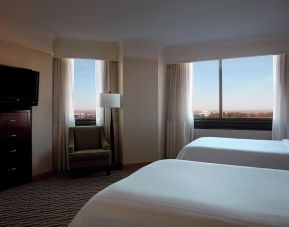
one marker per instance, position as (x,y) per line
(171,193)
(244,152)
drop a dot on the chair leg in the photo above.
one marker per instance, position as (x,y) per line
(108,171)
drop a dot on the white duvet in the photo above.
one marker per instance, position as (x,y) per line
(244,152)
(185,193)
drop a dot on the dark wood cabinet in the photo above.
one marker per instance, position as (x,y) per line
(15,147)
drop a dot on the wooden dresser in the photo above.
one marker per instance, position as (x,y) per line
(15,147)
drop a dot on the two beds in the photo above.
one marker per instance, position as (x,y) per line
(202,192)
(187,193)
(242,152)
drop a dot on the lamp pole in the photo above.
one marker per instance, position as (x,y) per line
(110,100)
(112,137)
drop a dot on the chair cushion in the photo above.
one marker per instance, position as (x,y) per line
(90,154)
(87,137)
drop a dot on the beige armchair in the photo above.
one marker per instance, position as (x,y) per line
(88,148)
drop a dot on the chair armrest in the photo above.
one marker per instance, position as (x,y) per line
(104,144)
(71,148)
(71,140)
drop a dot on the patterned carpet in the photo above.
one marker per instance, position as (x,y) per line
(53,201)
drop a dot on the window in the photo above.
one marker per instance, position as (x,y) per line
(206,89)
(234,93)
(86,85)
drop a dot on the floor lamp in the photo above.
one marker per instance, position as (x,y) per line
(110,100)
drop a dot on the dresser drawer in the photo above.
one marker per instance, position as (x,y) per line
(13,120)
(10,164)
(10,157)
(10,177)
(11,138)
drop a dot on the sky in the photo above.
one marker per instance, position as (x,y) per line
(247,84)
(84,85)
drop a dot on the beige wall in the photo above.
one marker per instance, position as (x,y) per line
(140,110)
(14,55)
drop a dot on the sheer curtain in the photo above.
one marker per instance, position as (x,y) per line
(280,127)
(179,114)
(62,113)
(99,85)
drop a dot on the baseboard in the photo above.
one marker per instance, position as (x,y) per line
(135,165)
(41,176)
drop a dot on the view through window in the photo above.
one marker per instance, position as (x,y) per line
(246,88)
(206,89)
(85,89)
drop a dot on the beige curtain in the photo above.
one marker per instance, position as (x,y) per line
(111,84)
(62,116)
(99,85)
(179,122)
(280,127)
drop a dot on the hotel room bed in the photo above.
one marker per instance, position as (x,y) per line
(186,193)
(243,152)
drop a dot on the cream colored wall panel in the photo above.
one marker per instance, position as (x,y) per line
(140,111)
(161,109)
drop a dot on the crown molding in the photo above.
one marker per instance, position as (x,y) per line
(227,49)
(138,50)
(17,32)
(86,49)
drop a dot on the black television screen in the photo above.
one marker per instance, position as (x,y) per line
(18,85)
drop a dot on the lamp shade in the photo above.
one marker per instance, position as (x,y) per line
(109,100)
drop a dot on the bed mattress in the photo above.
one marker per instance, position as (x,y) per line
(244,152)
(186,193)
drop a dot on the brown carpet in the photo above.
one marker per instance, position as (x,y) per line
(53,201)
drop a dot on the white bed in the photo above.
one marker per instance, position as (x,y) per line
(243,152)
(171,193)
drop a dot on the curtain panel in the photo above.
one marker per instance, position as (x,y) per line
(99,85)
(280,127)
(179,118)
(111,84)
(62,113)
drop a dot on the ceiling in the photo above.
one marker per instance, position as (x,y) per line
(167,22)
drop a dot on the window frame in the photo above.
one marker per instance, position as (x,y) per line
(262,124)
(84,122)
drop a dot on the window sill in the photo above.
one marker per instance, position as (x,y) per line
(234,123)
(83,122)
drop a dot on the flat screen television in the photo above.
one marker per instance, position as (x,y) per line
(18,86)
